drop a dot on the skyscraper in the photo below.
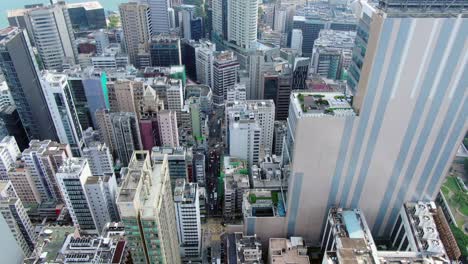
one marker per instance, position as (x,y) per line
(42,160)
(9,151)
(168,131)
(159,11)
(99,158)
(220,18)
(14,213)
(21,74)
(146,208)
(408,117)
(165,50)
(135,24)
(242,22)
(192,27)
(126,135)
(187,210)
(204,56)
(225,67)
(62,109)
(53,35)
(72,176)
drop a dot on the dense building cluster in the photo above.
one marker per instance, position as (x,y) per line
(233,131)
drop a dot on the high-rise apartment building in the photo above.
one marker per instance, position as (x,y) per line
(135,19)
(242,22)
(187,210)
(225,67)
(42,160)
(72,176)
(277,86)
(263,111)
(59,100)
(146,208)
(23,183)
(168,131)
(17,219)
(199,168)
(101,193)
(99,158)
(9,152)
(122,96)
(53,35)
(21,74)
(245,138)
(220,18)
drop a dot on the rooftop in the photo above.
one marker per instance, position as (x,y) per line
(50,241)
(285,251)
(86,5)
(335,39)
(185,192)
(6,34)
(264,203)
(321,104)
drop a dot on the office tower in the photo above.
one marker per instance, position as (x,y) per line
(263,111)
(192,27)
(59,100)
(53,35)
(245,138)
(168,132)
(87,15)
(126,135)
(9,151)
(189,57)
(101,193)
(277,86)
(14,213)
(331,55)
(11,125)
(122,96)
(225,67)
(146,208)
(300,73)
(165,50)
(72,176)
(187,210)
(22,77)
(270,37)
(310,30)
(204,54)
(283,17)
(96,92)
(99,158)
(159,15)
(75,81)
(43,159)
(278,137)
(175,98)
(135,19)
(381,158)
(178,161)
(242,22)
(265,59)
(199,168)
(23,183)
(296,40)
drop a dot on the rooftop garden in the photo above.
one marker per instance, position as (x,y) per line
(319,103)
